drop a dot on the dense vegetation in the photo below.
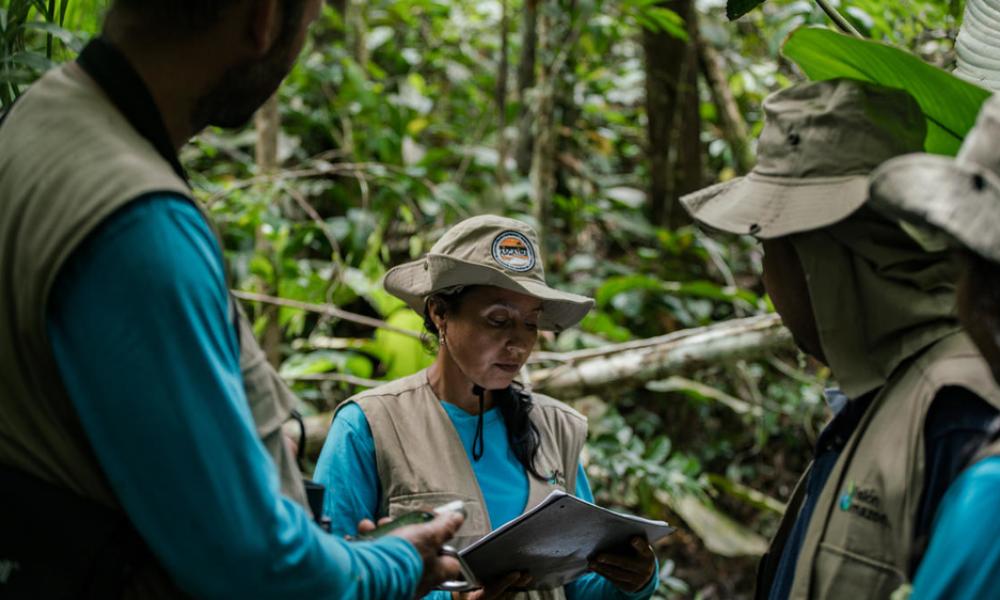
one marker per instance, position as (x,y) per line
(586,117)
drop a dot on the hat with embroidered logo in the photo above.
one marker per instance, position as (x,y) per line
(487,250)
(819,144)
(957,196)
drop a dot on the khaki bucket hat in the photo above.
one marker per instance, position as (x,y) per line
(819,144)
(487,250)
(959,196)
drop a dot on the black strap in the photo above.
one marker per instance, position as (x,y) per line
(57,544)
(477,442)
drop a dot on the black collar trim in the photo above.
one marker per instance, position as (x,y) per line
(128,92)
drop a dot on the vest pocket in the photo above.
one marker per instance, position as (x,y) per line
(840,573)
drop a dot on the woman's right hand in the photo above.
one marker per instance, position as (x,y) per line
(495,589)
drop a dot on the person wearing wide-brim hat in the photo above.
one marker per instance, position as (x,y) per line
(464,429)
(864,296)
(960,198)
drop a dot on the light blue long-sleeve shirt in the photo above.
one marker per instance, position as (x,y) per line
(963,559)
(140,328)
(347,467)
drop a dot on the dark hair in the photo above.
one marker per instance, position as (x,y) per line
(980,287)
(181,17)
(515,404)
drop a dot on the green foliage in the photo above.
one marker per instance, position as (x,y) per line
(400,355)
(391,133)
(737,8)
(33,35)
(949,103)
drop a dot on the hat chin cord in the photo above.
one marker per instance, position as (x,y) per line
(477,442)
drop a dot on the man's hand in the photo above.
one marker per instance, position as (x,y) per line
(428,539)
(495,589)
(630,571)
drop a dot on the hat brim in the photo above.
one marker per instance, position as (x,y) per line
(769,207)
(412,283)
(962,199)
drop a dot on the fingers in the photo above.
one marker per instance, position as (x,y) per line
(436,570)
(445,568)
(384,520)
(642,547)
(631,571)
(444,527)
(626,562)
(366,526)
(628,581)
(514,579)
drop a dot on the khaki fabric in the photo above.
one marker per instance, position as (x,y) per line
(422,463)
(884,309)
(68,160)
(959,196)
(819,143)
(878,297)
(860,540)
(487,250)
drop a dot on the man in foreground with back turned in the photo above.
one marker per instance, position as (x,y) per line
(129,459)
(863,295)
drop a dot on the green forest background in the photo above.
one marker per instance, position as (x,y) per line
(587,118)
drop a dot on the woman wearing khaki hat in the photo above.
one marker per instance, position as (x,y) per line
(463,429)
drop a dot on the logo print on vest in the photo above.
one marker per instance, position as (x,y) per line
(557,478)
(848,498)
(868,505)
(513,251)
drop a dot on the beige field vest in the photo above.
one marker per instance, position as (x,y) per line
(859,542)
(68,160)
(422,463)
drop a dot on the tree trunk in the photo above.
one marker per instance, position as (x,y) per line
(543,156)
(268,125)
(665,57)
(734,127)
(686,164)
(357,30)
(525,83)
(503,74)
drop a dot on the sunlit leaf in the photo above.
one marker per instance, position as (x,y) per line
(949,103)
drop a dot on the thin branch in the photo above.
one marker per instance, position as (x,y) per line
(838,19)
(338,377)
(310,210)
(325,309)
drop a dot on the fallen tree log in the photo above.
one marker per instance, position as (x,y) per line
(632,364)
(723,342)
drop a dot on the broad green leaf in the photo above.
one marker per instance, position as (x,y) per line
(949,104)
(401,355)
(324,361)
(601,323)
(721,533)
(737,8)
(32,60)
(619,285)
(747,494)
(66,37)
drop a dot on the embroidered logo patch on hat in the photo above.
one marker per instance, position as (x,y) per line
(513,251)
